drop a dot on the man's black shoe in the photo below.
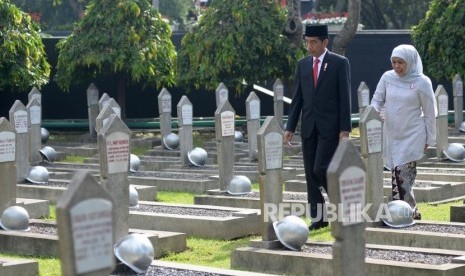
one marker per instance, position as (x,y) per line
(317,225)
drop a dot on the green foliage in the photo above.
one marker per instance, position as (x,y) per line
(175,10)
(236,42)
(439,39)
(23,62)
(118,37)
(53,15)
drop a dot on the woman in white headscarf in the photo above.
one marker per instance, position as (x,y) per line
(409,119)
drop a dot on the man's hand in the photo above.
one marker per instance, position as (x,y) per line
(288,137)
(343,135)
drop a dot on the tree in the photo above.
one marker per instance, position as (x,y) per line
(439,39)
(120,37)
(392,14)
(176,10)
(53,15)
(237,42)
(344,37)
(23,62)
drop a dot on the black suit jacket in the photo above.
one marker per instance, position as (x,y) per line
(327,107)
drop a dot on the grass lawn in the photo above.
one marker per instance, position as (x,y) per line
(216,253)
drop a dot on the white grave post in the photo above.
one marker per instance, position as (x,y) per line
(363,95)
(85,222)
(346,188)
(34,123)
(7,165)
(457,89)
(35,94)
(114,153)
(252,108)
(92,107)
(442,131)
(185,114)
(164,110)
(270,165)
(278,101)
(103,101)
(103,116)
(221,94)
(224,127)
(371,141)
(19,120)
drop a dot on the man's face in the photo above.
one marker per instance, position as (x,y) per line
(315,46)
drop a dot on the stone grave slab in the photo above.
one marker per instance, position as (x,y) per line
(36,208)
(55,187)
(426,234)
(42,240)
(306,263)
(175,268)
(15,267)
(200,221)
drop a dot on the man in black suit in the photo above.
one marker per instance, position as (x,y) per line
(322,98)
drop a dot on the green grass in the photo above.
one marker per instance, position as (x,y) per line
(74,159)
(208,252)
(175,197)
(137,150)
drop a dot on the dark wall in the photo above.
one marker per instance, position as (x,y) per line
(368,54)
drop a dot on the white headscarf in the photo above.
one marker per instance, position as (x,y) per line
(414,66)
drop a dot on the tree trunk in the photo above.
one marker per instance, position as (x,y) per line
(77,8)
(294,26)
(122,94)
(344,37)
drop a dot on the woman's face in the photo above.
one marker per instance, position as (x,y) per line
(399,65)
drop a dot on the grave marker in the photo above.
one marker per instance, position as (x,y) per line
(252,108)
(363,95)
(19,120)
(103,116)
(278,101)
(185,114)
(442,132)
(457,90)
(371,141)
(221,94)
(114,153)
(103,101)
(346,188)
(7,165)
(224,128)
(34,123)
(270,164)
(85,222)
(92,108)
(35,94)
(164,110)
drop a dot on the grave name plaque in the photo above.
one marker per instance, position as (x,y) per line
(224,129)
(185,114)
(346,190)
(164,110)
(117,147)
(270,161)
(371,140)
(7,165)
(85,227)
(19,120)
(442,139)
(252,105)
